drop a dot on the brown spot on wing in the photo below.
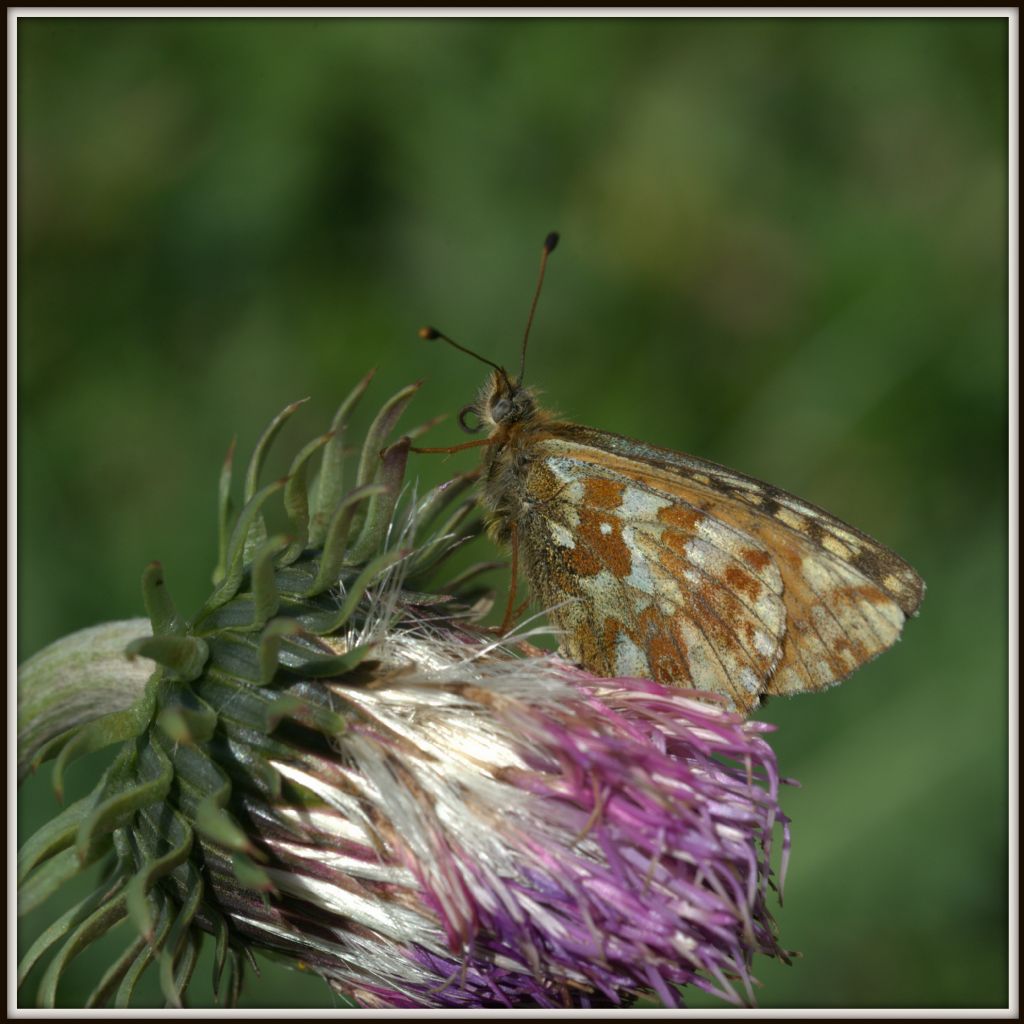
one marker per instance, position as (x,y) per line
(612,629)
(541,484)
(755,558)
(864,592)
(596,549)
(834,625)
(683,517)
(743,582)
(600,492)
(665,648)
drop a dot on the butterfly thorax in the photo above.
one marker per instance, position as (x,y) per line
(509,413)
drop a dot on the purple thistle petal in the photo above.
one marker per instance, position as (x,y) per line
(559,840)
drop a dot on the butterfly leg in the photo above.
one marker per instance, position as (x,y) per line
(510,611)
(454,448)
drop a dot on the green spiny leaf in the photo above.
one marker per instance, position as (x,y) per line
(457,582)
(117,805)
(259,454)
(114,974)
(143,880)
(183,657)
(216,825)
(257,532)
(178,938)
(145,956)
(296,499)
(212,789)
(382,505)
(264,589)
(447,538)
(159,606)
(234,562)
(185,718)
(236,977)
(333,621)
(92,928)
(369,462)
(270,646)
(251,875)
(330,484)
(59,929)
(55,835)
(289,706)
(332,556)
(427,426)
(52,875)
(220,952)
(224,513)
(116,727)
(198,777)
(440,497)
(328,666)
(53,747)
(186,963)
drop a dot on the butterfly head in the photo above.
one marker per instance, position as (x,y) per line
(502,402)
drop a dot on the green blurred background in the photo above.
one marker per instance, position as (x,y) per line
(784,248)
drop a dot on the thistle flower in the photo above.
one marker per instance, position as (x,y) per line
(331,763)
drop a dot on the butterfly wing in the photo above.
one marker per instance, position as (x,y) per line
(663,565)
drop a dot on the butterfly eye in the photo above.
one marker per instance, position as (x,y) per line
(465,426)
(500,409)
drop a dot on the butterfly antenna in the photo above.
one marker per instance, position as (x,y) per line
(432,334)
(549,247)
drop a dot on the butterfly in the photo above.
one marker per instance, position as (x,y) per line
(657,564)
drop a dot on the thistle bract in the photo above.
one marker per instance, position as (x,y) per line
(333,764)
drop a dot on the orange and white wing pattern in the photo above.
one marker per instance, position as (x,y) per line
(661,565)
